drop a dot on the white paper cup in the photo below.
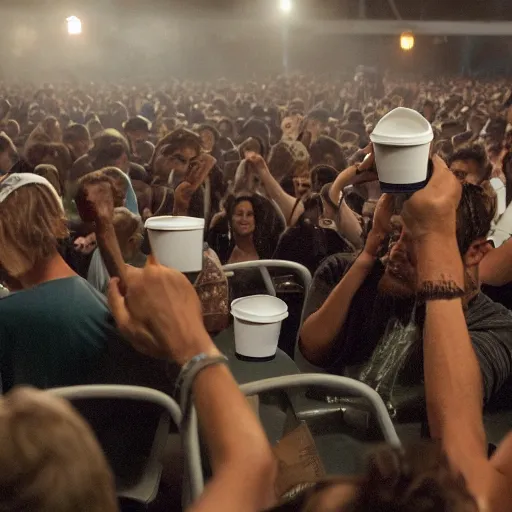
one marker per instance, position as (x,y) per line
(258,321)
(401,142)
(177,242)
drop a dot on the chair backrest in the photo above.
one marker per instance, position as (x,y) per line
(349,387)
(132,426)
(263,266)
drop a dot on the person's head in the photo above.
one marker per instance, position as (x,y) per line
(175,152)
(242,217)
(415,478)
(226,128)
(100,177)
(51,173)
(77,139)
(8,153)
(55,154)
(322,175)
(209,137)
(12,129)
(119,179)
(137,129)
(316,122)
(470,165)
(475,213)
(129,232)
(110,149)
(327,151)
(51,127)
(32,222)
(50,460)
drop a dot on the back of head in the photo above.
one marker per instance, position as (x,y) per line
(415,479)
(75,133)
(31,224)
(51,173)
(418,478)
(327,151)
(109,146)
(475,153)
(50,460)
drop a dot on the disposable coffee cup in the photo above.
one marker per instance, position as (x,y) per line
(177,242)
(257,325)
(401,142)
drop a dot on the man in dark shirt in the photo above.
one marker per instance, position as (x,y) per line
(364,318)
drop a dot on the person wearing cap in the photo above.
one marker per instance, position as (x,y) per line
(359,310)
(65,335)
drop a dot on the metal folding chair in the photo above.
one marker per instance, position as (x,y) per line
(349,387)
(137,467)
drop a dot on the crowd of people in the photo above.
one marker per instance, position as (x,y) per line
(410,297)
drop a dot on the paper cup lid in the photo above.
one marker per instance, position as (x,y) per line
(402,127)
(259,309)
(174,223)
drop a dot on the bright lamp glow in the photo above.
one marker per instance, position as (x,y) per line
(407,41)
(285,5)
(74,25)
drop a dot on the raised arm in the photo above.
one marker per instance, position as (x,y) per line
(321,328)
(274,190)
(149,316)
(453,381)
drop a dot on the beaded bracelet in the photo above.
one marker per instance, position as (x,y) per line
(188,374)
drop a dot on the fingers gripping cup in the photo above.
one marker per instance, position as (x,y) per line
(258,321)
(401,142)
(177,242)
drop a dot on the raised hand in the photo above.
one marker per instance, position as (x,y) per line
(160,313)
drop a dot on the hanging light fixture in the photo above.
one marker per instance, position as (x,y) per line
(407,41)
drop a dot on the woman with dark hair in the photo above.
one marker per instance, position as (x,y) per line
(241,232)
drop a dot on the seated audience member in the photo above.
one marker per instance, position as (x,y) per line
(173,155)
(347,222)
(327,151)
(454,474)
(246,236)
(66,332)
(77,139)
(110,149)
(51,460)
(360,311)
(470,165)
(47,131)
(50,173)
(136,129)
(129,233)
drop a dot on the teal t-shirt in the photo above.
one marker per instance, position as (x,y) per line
(53,334)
